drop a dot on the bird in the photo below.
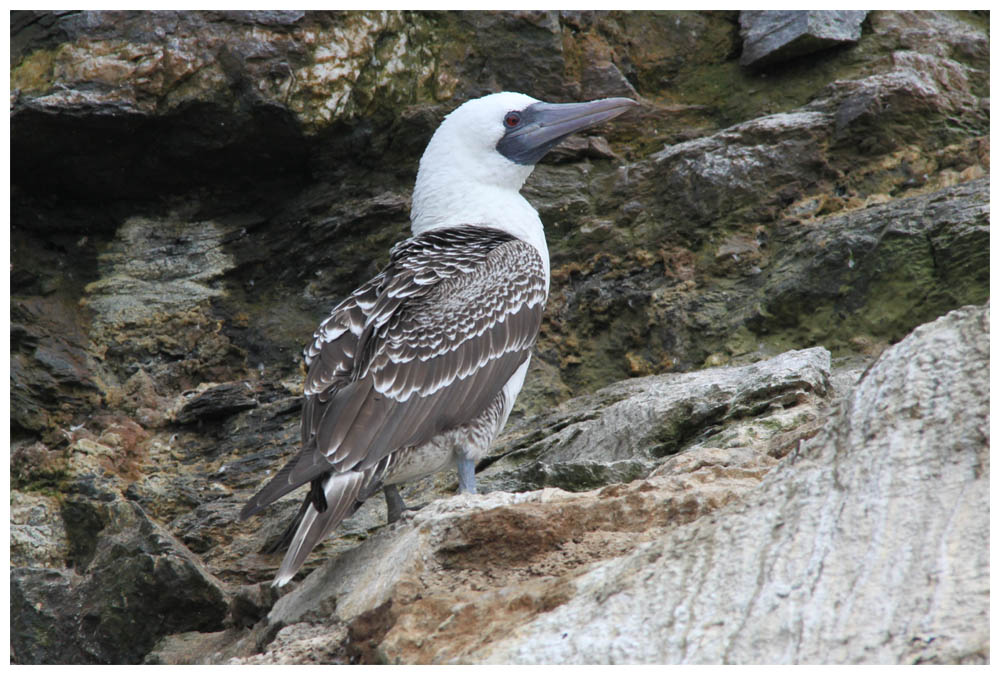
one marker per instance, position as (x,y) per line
(418,368)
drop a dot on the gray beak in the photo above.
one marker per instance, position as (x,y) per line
(543,125)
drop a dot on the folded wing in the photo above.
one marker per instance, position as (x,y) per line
(422,348)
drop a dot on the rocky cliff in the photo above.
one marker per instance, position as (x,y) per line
(756,427)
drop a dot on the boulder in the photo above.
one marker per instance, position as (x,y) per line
(624,431)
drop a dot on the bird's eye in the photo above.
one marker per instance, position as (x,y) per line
(511,120)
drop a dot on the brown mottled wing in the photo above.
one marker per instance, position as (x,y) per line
(331,355)
(445,326)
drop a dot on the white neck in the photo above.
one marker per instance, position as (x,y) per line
(454,198)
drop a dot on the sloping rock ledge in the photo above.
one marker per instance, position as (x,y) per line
(865,544)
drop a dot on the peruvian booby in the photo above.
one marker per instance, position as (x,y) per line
(419,368)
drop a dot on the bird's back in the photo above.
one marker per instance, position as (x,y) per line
(420,351)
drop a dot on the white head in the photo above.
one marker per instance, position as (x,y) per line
(465,144)
(478,159)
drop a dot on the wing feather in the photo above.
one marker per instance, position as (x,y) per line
(424,347)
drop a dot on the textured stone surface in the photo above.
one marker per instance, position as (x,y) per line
(37,533)
(192,191)
(49,361)
(510,555)
(775,36)
(622,432)
(221,400)
(134,580)
(478,566)
(868,546)
(865,545)
(150,305)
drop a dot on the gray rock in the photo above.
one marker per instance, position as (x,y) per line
(305,644)
(216,402)
(44,607)
(866,547)
(775,36)
(473,566)
(603,79)
(611,437)
(418,574)
(877,112)
(52,373)
(745,166)
(622,432)
(625,574)
(138,585)
(157,275)
(201,648)
(864,274)
(880,267)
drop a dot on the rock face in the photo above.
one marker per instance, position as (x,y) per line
(192,191)
(867,546)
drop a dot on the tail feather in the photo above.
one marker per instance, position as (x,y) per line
(342,492)
(285,540)
(282,483)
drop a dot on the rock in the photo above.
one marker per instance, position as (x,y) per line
(938,33)
(250,604)
(37,465)
(469,565)
(576,148)
(192,191)
(603,79)
(37,533)
(622,432)
(861,266)
(876,521)
(920,86)
(140,398)
(536,64)
(878,269)
(194,648)
(140,309)
(304,644)
(575,577)
(141,61)
(218,401)
(44,610)
(746,165)
(370,588)
(138,581)
(54,378)
(774,36)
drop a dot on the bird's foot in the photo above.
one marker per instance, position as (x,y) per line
(395,507)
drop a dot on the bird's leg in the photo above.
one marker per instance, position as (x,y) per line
(466,475)
(393,503)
